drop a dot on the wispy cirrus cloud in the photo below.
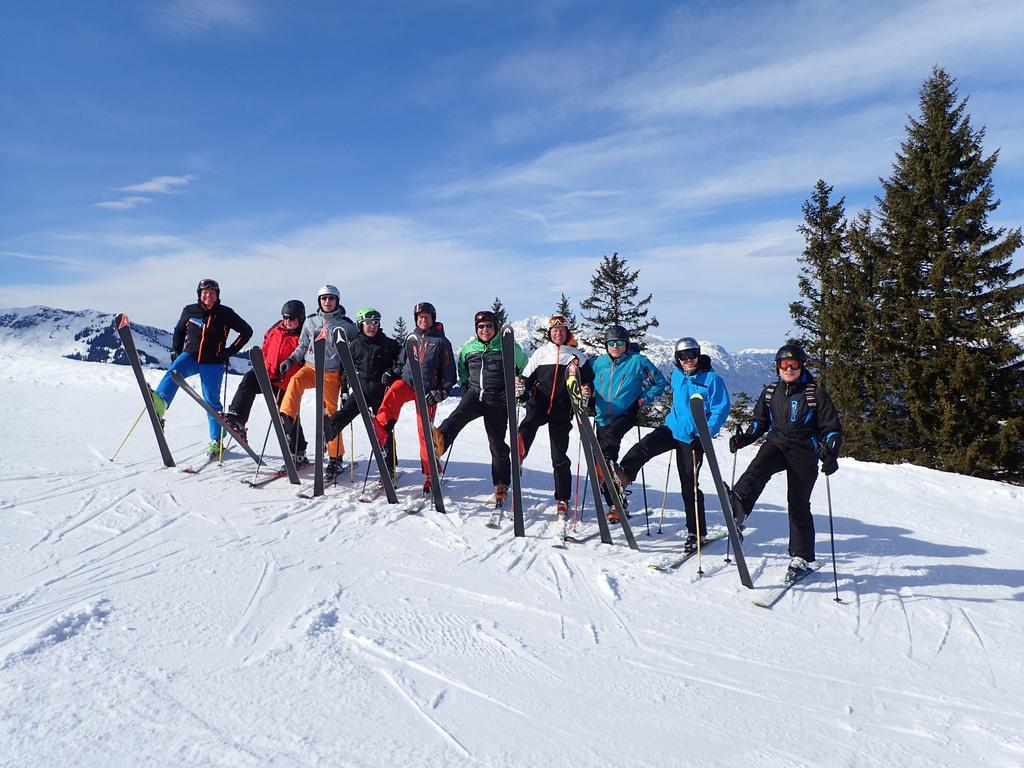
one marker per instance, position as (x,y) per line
(125,203)
(198,16)
(159,184)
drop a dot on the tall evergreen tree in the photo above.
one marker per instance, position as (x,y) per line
(824,230)
(948,299)
(400,331)
(499,312)
(564,308)
(613,300)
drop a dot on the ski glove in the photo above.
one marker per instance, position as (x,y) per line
(829,464)
(386,378)
(740,440)
(286,365)
(435,396)
(174,356)
(520,389)
(830,447)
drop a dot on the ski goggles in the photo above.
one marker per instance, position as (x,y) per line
(616,343)
(687,354)
(371,317)
(790,365)
(557,322)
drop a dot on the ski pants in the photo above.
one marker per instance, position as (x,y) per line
(559,425)
(801,472)
(398,394)
(349,412)
(246,394)
(211,375)
(496,425)
(306,379)
(689,458)
(609,436)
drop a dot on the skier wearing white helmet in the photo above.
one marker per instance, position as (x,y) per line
(330,314)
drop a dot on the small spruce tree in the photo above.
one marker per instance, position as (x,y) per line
(400,331)
(613,300)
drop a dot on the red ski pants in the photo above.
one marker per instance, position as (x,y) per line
(398,394)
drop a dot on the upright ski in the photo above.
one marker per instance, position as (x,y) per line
(124,330)
(341,342)
(601,468)
(412,352)
(508,362)
(187,389)
(595,486)
(259,366)
(701,420)
(770,597)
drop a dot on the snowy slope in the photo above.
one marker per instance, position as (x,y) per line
(148,617)
(83,335)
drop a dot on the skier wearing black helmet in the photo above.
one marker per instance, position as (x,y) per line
(482,380)
(624,380)
(200,345)
(278,343)
(799,423)
(692,375)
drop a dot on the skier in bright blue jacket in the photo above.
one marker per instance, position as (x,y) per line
(693,375)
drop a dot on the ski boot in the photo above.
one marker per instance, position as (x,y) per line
(213,449)
(798,568)
(500,494)
(159,405)
(333,469)
(426,487)
(438,439)
(237,424)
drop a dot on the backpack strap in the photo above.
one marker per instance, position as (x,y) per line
(769,391)
(809,395)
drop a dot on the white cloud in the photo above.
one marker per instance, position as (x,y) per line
(125,203)
(159,184)
(208,15)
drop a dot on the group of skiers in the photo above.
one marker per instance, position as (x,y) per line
(794,415)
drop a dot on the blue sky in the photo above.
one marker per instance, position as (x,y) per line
(457,151)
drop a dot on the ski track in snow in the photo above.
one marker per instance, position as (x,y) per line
(153,617)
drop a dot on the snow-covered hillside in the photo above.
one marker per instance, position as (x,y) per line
(745,371)
(83,334)
(149,617)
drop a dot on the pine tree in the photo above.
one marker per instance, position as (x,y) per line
(400,331)
(499,313)
(824,230)
(563,308)
(948,299)
(741,412)
(613,300)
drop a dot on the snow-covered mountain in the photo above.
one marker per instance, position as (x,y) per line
(84,334)
(747,370)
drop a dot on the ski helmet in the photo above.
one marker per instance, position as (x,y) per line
(790,352)
(424,306)
(486,316)
(616,333)
(328,290)
(293,308)
(687,348)
(208,283)
(365,314)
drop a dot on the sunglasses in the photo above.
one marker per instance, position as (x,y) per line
(617,343)
(790,365)
(687,354)
(289,317)
(371,322)
(482,326)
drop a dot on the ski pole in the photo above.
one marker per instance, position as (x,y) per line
(832,538)
(352,450)
(664,494)
(366,475)
(448,457)
(223,397)
(134,425)
(643,480)
(576,506)
(728,542)
(696,510)
(262,451)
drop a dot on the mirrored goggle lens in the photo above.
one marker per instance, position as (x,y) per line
(687,354)
(790,365)
(616,343)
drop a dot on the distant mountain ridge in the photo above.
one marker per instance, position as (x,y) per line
(85,334)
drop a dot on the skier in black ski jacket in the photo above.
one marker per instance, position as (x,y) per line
(796,417)
(376,356)
(200,345)
(548,402)
(482,379)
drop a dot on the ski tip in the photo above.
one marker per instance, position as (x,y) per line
(696,396)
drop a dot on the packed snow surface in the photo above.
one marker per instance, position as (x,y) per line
(152,617)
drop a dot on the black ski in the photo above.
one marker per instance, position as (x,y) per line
(508,361)
(341,342)
(595,486)
(596,456)
(187,389)
(412,352)
(772,595)
(196,469)
(124,330)
(671,565)
(319,362)
(700,419)
(259,367)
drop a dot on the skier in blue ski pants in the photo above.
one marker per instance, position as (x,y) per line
(211,375)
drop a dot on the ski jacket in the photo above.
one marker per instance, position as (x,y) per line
(311,328)
(789,416)
(709,385)
(619,384)
(481,369)
(203,333)
(278,344)
(545,375)
(437,360)
(373,356)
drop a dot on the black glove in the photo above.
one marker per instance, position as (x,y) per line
(386,378)
(174,355)
(286,365)
(436,396)
(829,464)
(830,447)
(231,352)
(740,440)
